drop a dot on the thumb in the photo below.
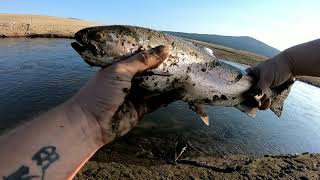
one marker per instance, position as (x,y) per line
(144,60)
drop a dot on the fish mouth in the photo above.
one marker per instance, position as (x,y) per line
(78,47)
(85,53)
(87,49)
(83,43)
(80,37)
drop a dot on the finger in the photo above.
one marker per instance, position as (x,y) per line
(255,74)
(261,81)
(145,60)
(265,102)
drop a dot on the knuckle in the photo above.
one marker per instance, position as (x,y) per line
(148,56)
(145,56)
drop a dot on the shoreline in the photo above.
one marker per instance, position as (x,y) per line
(151,158)
(304,166)
(31,36)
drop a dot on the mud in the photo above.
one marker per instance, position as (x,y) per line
(137,157)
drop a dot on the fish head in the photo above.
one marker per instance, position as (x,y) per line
(105,45)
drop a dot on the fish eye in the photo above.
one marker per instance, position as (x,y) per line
(99,37)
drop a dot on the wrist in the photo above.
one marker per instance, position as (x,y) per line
(283,69)
(287,61)
(81,120)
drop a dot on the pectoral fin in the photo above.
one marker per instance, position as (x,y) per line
(200,109)
(205,119)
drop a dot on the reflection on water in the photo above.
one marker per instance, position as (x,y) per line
(37,74)
(231,131)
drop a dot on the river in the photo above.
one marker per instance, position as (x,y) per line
(38,74)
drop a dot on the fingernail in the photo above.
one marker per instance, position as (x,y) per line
(258,97)
(162,51)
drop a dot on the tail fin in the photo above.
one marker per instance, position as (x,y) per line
(278,95)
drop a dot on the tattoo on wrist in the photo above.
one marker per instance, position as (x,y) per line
(43,158)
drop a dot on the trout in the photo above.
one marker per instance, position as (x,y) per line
(206,80)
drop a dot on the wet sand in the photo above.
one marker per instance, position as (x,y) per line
(229,167)
(151,158)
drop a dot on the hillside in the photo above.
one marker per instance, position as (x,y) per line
(236,42)
(227,53)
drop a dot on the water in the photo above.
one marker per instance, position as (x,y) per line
(37,74)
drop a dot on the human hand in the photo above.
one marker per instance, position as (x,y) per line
(269,74)
(108,100)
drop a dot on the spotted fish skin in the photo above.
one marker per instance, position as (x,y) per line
(205,79)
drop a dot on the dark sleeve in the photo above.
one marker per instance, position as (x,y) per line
(304,58)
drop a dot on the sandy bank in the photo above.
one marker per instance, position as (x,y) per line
(26,25)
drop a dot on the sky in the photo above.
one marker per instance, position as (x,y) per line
(278,23)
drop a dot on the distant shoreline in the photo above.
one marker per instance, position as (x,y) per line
(40,36)
(34,26)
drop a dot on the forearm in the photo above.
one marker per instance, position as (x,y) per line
(59,142)
(63,135)
(304,58)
